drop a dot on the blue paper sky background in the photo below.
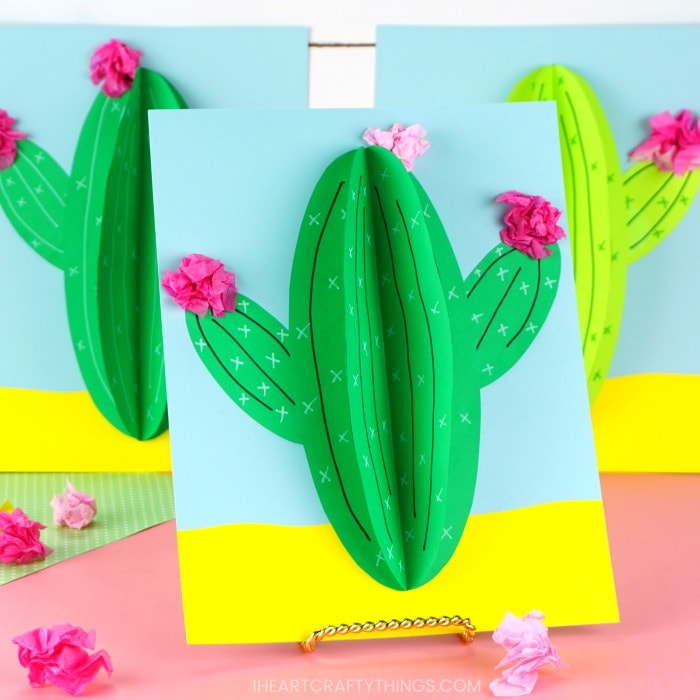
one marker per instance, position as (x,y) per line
(45,85)
(242,201)
(636,71)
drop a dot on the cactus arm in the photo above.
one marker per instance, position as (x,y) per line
(109,267)
(33,195)
(655,202)
(248,354)
(510,296)
(592,181)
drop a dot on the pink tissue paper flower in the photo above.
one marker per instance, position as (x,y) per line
(8,140)
(200,284)
(73,508)
(674,143)
(530,224)
(19,539)
(116,64)
(407,144)
(527,644)
(56,655)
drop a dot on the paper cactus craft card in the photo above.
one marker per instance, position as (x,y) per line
(375,378)
(81,364)
(630,150)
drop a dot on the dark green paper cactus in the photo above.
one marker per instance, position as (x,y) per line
(96,224)
(380,370)
(615,217)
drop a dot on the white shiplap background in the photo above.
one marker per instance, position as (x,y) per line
(342,34)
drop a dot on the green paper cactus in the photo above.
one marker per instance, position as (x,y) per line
(97,225)
(615,217)
(379,373)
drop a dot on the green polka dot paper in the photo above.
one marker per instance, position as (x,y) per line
(126,504)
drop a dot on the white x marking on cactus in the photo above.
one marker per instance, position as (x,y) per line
(244,329)
(264,388)
(314,219)
(550,282)
(465,418)
(396,229)
(237,361)
(396,375)
(400,565)
(446,532)
(337,376)
(384,428)
(301,332)
(201,344)
(81,345)
(36,243)
(452,294)
(385,174)
(354,195)
(333,282)
(369,240)
(356,380)
(343,214)
(308,407)
(387,502)
(476,318)
(81,184)
(502,329)
(21,202)
(351,309)
(73,271)
(435,311)
(425,211)
(404,479)
(421,379)
(412,295)
(283,412)
(402,436)
(524,287)
(39,189)
(351,250)
(488,369)
(116,106)
(274,361)
(244,305)
(343,437)
(390,552)
(408,535)
(376,340)
(360,282)
(157,348)
(281,334)
(443,421)
(365,347)
(438,496)
(380,558)
(531,327)
(324,475)
(414,220)
(243,399)
(98,221)
(390,331)
(421,458)
(372,432)
(9,182)
(365,458)
(38,157)
(501,274)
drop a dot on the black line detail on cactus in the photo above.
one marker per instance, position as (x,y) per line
(498,307)
(432,369)
(638,171)
(483,272)
(315,359)
(405,331)
(223,366)
(262,328)
(665,214)
(654,196)
(219,325)
(532,306)
(572,173)
(539,97)
(590,236)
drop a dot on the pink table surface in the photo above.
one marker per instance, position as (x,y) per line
(129,593)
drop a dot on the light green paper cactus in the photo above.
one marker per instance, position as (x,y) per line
(380,370)
(96,224)
(615,217)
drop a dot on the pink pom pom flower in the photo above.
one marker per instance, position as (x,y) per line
(528,647)
(674,143)
(406,144)
(56,655)
(116,64)
(73,508)
(201,283)
(530,224)
(8,140)
(20,541)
